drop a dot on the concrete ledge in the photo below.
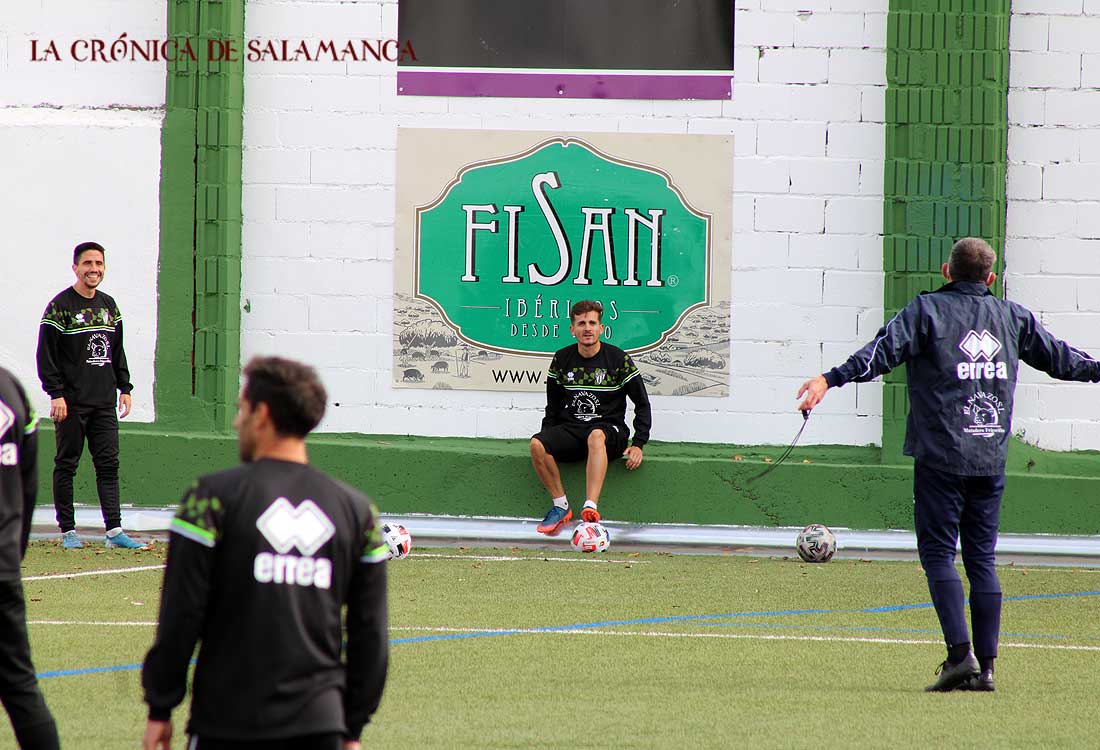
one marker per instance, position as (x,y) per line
(463,530)
(678,483)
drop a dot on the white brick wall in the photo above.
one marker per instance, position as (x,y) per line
(1052,250)
(807,254)
(24,82)
(79,160)
(61,186)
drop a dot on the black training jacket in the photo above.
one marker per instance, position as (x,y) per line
(589,390)
(80,354)
(261,559)
(18,473)
(962,349)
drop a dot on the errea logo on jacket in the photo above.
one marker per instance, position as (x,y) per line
(978,347)
(285,527)
(9,452)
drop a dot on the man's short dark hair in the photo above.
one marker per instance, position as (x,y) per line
(292,391)
(972,260)
(585,306)
(84,247)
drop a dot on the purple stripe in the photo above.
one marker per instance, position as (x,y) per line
(565,85)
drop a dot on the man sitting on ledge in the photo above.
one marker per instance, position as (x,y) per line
(586,390)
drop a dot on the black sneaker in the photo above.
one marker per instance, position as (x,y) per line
(952,676)
(983,683)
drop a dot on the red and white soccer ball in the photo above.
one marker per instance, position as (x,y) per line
(816,543)
(398,540)
(590,537)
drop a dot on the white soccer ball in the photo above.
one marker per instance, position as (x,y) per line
(816,543)
(590,537)
(398,539)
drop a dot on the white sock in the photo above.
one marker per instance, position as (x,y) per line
(590,504)
(562,502)
(114,532)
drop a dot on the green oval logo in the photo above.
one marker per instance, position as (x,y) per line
(511,243)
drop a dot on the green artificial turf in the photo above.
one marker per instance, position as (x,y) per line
(647,650)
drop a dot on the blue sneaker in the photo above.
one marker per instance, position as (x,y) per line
(71,540)
(121,541)
(554,520)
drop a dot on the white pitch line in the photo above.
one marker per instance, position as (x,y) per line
(507,558)
(488,558)
(56,576)
(139,623)
(736,636)
(639,634)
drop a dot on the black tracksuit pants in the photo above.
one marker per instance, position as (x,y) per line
(99,425)
(30,717)
(949,507)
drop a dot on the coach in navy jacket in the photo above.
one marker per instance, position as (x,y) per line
(962,347)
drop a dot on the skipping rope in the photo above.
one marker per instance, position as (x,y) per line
(781,459)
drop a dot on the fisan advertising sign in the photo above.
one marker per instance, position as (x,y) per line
(496,242)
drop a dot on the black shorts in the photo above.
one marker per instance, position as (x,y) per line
(569,442)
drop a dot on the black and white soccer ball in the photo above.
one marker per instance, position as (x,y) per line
(397,539)
(816,543)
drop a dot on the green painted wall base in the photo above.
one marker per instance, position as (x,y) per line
(1047,492)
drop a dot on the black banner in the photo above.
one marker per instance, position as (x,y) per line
(569,34)
(660,49)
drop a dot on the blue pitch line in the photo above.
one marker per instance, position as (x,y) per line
(617,623)
(1020,598)
(601,624)
(88,670)
(871,629)
(698,618)
(1026,597)
(91,670)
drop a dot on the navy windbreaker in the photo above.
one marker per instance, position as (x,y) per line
(962,347)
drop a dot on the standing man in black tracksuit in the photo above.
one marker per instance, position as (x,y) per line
(81,364)
(261,561)
(586,390)
(30,718)
(962,347)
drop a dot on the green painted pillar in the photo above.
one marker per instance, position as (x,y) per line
(218,138)
(946,150)
(199,282)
